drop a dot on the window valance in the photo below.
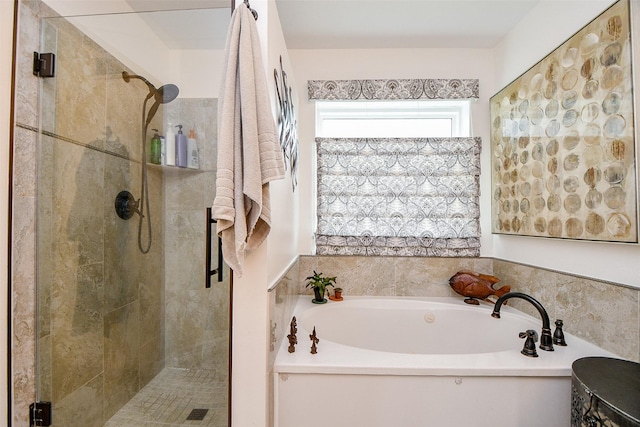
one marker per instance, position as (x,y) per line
(393,89)
(398,196)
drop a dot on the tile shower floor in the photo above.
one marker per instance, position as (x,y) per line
(171,397)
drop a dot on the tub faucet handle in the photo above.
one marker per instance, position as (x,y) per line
(558,335)
(530,342)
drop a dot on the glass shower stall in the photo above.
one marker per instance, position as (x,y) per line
(127,332)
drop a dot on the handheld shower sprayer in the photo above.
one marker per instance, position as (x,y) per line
(162,95)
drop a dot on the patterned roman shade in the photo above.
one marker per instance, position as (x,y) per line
(393,89)
(398,196)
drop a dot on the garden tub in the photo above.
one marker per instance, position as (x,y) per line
(384,361)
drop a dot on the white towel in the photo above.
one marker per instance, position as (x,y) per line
(249,154)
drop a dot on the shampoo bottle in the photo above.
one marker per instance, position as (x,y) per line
(163,151)
(192,151)
(181,148)
(170,141)
(156,148)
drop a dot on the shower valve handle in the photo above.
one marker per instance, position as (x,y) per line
(126,205)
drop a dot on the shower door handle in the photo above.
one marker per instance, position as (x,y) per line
(209,272)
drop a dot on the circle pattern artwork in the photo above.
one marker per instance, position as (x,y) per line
(562,140)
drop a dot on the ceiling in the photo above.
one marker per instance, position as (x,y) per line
(328,24)
(191,28)
(186,24)
(369,24)
(153,5)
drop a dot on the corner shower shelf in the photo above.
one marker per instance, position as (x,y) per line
(174,168)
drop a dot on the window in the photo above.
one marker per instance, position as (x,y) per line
(397,178)
(380,119)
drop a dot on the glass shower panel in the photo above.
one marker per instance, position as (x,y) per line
(127,338)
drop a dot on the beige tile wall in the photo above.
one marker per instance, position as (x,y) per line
(390,276)
(197,319)
(606,314)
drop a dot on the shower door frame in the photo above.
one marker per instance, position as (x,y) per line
(9,230)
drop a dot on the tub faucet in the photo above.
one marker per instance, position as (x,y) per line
(546,341)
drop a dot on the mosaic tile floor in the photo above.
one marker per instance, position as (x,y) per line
(171,397)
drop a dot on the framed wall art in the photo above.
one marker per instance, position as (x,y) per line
(562,140)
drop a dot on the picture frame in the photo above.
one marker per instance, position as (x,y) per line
(563,140)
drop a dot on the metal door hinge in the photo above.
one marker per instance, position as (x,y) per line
(44,64)
(40,414)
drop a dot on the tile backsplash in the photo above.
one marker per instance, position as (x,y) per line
(603,313)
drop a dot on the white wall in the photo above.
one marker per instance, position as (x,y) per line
(283,248)
(199,73)
(543,29)
(264,266)
(387,64)
(552,22)
(6,43)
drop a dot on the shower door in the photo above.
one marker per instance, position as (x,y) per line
(127,338)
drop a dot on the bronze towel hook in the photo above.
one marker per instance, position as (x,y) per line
(253,12)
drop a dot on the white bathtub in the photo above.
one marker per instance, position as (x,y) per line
(403,362)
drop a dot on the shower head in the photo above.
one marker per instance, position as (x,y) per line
(162,95)
(166,93)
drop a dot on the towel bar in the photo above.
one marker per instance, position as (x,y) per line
(209,272)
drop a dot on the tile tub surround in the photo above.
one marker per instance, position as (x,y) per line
(390,276)
(605,314)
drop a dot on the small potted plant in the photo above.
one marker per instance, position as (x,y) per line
(319,284)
